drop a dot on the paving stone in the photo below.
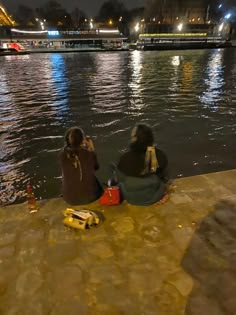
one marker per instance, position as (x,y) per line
(144,281)
(31,237)
(71,277)
(6,252)
(28,282)
(182,282)
(101,249)
(95,234)
(180,198)
(30,255)
(61,253)
(3,287)
(123,226)
(7,238)
(70,307)
(182,236)
(169,300)
(105,273)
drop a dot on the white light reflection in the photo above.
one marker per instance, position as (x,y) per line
(174,86)
(175,60)
(214,82)
(106,83)
(60,82)
(136,65)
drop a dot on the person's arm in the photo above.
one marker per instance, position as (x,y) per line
(162,170)
(95,161)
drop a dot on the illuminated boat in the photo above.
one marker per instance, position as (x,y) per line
(168,41)
(69,40)
(12,48)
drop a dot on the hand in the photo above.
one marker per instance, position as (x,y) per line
(89,144)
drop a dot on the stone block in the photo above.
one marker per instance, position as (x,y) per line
(100,249)
(28,282)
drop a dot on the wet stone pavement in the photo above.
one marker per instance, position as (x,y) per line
(174,259)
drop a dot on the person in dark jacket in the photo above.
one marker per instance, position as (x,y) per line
(78,164)
(143,169)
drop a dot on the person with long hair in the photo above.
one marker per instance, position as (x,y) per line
(143,169)
(78,164)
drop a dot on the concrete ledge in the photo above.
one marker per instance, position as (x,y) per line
(174,259)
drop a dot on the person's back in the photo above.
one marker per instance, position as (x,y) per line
(78,164)
(143,169)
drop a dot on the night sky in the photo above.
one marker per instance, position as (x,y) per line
(90,7)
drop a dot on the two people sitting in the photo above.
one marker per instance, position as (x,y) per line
(141,170)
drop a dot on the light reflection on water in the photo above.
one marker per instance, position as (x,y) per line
(213,94)
(188,97)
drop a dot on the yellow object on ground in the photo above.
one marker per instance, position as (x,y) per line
(80,219)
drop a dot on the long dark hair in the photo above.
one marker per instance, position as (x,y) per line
(144,135)
(74,137)
(73,140)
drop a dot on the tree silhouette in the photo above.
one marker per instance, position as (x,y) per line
(54,14)
(24,15)
(112,9)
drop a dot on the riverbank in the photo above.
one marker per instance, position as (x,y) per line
(140,260)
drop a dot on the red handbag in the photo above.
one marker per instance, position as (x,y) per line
(110,197)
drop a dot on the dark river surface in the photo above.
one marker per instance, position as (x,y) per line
(188,97)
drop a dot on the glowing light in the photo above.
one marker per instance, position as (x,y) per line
(110,22)
(180,27)
(109,31)
(53,33)
(136,28)
(120,19)
(220,6)
(175,61)
(28,32)
(221,27)
(174,35)
(214,82)
(228,16)
(91,25)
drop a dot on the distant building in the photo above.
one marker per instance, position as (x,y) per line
(172,11)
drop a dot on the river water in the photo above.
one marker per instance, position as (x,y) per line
(188,97)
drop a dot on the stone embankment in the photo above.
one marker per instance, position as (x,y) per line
(174,259)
